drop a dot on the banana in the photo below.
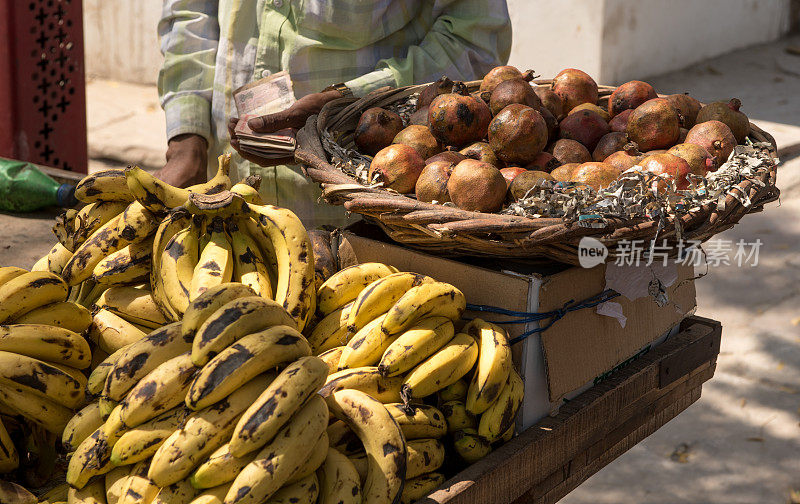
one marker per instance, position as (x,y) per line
(203,432)
(331,358)
(181,492)
(63,314)
(41,264)
(295,260)
(129,264)
(367,380)
(415,345)
(279,460)
(136,223)
(383,442)
(221,180)
(220,468)
(93,493)
(160,390)
(249,267)
(507,435)
(380,295)
(345,285)
(91,217)
(64,224)
(470,446)
(248,193)
(360,462)
(502,414)
(113,481)
(426,300)
(47,343)
(112,332)
(265,245)
(132,304)
(106,405)
(28,291)
(456,391)
(141,442)
(40,378)
(9,457)
(494,365)
(97,378)
(151,192)
(341,437)
(417,488)
(101,243)
(244,360)
(138,489)
(113,426)
(106,185)
(233,321)
(204,305)
(419,420)
(171,225)
(81,426)
(366,347)
(441,369)
(142,357)
(339,480)
(423,456)
(8,273)
(214,495)
(57,258)
(458,417)
(331,331)
(215,265)
(178,264)
(88,292)
(15,494)
(56,494)
(314,460)
(91,458)
(273,408)
(303,491)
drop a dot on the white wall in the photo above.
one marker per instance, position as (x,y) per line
(121,39)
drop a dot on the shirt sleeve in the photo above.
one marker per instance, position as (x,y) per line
(467,39)
(189,35)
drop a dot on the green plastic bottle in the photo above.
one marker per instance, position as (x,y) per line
(24,188)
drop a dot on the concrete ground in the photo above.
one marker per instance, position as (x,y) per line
(740,443)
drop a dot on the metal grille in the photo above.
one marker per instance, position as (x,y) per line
(42,85)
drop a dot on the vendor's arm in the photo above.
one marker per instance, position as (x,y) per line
(189,33)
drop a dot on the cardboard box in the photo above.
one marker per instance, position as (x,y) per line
(561,361)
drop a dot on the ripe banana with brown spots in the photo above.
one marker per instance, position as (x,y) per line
(141,442)
(339,480)
(345,285)
(111,332)
(215,264)
(331,358)
(127,265)
(331,331)
(366,347)
(9,457)
(97,378)
(40,378)
(249,266)
(305,490)
(494,365)
(470,446)
(47,343)
(91,458)
(178,264)
(81,426)
(91,217)
(93,493)
(181,492)
(57,258)
(441,369)
(64,314)
(169,227)
(88,255)
(423,456)
(133,304)
(29,291)
(502,413)
(417,488)
(415,345)
(426,300)
(138,489)
(365,379)
(106,185)
(418,421)
(377,297)
(207,303)
(458,417)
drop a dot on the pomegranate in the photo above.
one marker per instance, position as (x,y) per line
(574,87)
(517,134)
(375,130)
(629,96)
(609,144)
(567,151)
(442,86)
(513,91)
(458,118)
(595,175)
(626,158)
(585,126)
(432,182)
(550,100)
(654,125)
(477,186)
(482,152)
(687,107)
(526,182)
(672,166)
(544,161)
(452,156)
(419,117)
(398,166)
(620,121)
(564,172)
(728,114)
(497,75)
(511,173)
(700,161)
(597,109)
(716,137)
(420,138)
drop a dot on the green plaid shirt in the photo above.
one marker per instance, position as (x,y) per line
(212,47)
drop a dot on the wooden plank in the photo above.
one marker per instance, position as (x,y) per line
(580,434)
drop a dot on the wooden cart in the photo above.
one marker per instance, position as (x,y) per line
(553,457)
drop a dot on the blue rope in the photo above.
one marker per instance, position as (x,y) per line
(554,315)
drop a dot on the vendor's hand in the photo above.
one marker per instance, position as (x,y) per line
(292,118)
(187,157)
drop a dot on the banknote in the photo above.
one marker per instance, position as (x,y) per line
(264,96)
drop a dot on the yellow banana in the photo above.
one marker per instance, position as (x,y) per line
(29,291)
(220,468)
(380,295)
(303,491)
(41,264)
(415,345)
(58,493)
(426,300)
(360,462)
(502,413)
(181,492)
(113,481)
(9,457)
(265,245)
(91,458)
(339,480)
(331,358)
(178,264)
(47,343)
(91,217)
(244,360)
(458,417)
(341,437)
(160,390)
(93,493)
(249,267)
(423,456)
(141,442)
(88,292)
(97,378)
(136,223)
(215,265)
(40,378)
(171,225)
(57,258)
(417,488)
(81,426)
(63,228)
(138,489)
(248,193)
(418,421)
(63,314)
(129,264)
(112,332)
(314,460)
(365,379)
(441,369)
(345,285)
(456,391)
(366,347)
(133,304)
(153,193)
(331,331)
(221,180)
(106,185)
(8,273)
(282,457)
(204,305)
(280,400)
(470,446)
(214,495)
(233,321)
(383,442)
(203,432)
(494,364)
(101,243)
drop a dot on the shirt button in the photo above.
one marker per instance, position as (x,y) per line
(277,3)
(266,73)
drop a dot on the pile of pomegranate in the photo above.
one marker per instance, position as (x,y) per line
(489,148)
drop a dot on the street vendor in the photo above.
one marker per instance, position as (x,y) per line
(329,48)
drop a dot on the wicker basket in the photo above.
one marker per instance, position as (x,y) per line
(448,230)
